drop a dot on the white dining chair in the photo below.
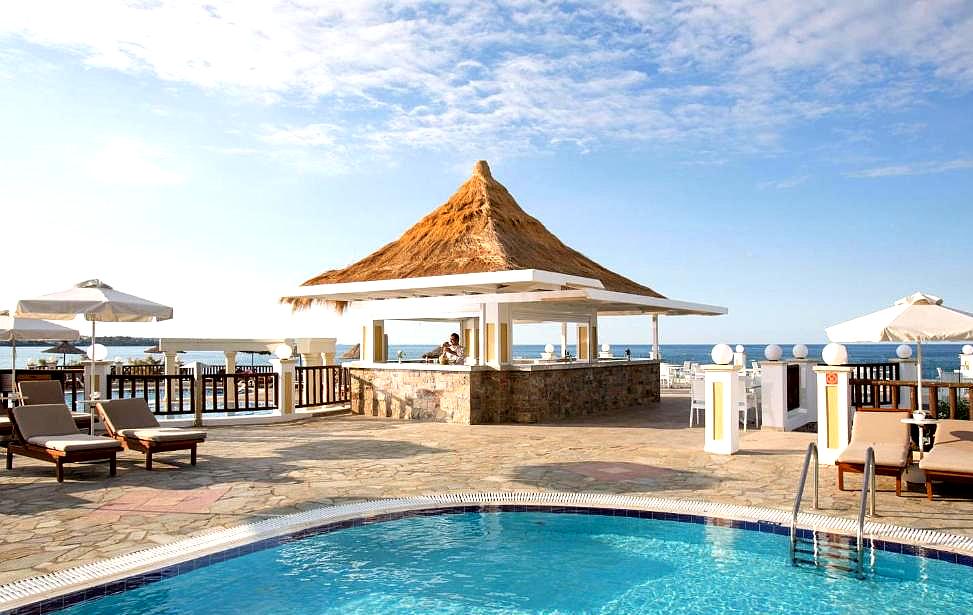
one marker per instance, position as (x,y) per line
(749,402)
(697,401)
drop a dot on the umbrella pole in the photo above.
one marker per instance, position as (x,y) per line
(13,366)
(91,394)
(919,379)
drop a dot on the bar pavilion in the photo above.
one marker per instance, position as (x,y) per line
(482,262)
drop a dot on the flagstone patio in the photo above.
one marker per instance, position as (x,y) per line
(251,472)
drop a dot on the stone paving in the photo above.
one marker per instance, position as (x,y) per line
(251,472)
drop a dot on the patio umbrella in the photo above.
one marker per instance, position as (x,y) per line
(96,301)
(63,349)
(917,318)
(14,329)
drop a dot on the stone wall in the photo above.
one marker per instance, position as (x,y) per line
(512,396)
(411,394)
(505,396)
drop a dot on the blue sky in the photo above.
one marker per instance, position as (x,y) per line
(799,162)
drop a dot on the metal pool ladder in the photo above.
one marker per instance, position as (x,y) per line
(829,554)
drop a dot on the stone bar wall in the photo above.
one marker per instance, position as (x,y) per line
(519,394)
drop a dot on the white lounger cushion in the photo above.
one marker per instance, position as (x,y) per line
(163,434)
(953,450)
(74,442)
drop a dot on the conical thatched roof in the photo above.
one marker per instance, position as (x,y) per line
(481,228)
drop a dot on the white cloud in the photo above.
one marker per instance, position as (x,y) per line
(915,168)
(126,161)
(505,78)
(784,184)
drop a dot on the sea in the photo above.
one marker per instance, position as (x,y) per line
(944,356)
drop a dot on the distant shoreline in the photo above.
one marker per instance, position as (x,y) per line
(85,340)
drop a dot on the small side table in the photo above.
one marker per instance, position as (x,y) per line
(912,472)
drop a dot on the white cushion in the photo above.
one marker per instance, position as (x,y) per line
(74,442)
(163,434)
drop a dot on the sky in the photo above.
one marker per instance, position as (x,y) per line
(799,162)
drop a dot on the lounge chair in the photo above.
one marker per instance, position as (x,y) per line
(48,433)
(951,457)
(882,430)
(38,392)
(132,423)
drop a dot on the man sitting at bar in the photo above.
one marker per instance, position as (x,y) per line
(453,353)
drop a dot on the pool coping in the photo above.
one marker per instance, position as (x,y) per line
(50,592)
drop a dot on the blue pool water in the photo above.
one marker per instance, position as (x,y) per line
(527,562)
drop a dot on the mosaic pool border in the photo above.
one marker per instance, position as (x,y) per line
(59,590)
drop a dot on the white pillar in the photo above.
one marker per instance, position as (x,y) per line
(773,395)
(172,364)
(311,359)
(656,350)
(284,368)
(908,372)
(230,361)
(834,411)
(328,357)
(95,384)
(740,358)
(722,417)
(965,366)
(809,388)
(588,340)
(498,334)
(373,341)
(564,340)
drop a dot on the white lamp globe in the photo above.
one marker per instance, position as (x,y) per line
(835,354)
(722,354)
(549,348)
(968,349)
(606,347)
(904,351)
(773,352)
(283,351)
(97,352)
(740,348)
(799,351)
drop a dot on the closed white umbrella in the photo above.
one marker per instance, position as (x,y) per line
(917,318)
(14,329)
(97,302)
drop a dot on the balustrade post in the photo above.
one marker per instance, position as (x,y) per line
(284,368)
(722,416)
(198,397)
(834,412)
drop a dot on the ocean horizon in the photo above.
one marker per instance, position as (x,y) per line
(935,356)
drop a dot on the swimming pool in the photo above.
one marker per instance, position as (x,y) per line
(536,562)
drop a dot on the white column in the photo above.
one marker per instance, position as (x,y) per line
(965,366)
(328,357)
(834,411)
(373,341)
(773,395)
(564,339)
(722,417)
(809,387)
(230,361)
(656,350)
(95,384)
(172,364)
(311,359)
(498,337)
(909,372)
(284,368)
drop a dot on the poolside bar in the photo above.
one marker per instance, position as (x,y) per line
(483,264)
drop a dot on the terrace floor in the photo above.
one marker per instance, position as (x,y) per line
(251,472)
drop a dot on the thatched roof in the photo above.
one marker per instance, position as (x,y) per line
(481,228)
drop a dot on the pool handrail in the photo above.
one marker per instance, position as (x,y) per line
(812,452)
(868,484)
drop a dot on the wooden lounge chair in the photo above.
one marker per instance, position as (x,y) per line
(881,429)
(38,392)
(48,433)
(951,457)
(132,423)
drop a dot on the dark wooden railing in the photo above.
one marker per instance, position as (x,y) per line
(72,383)
(863,396)
(165,394)
(140,370)
(239,392)
(956,393)
(320,385)
(254,369)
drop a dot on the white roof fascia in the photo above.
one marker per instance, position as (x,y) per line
(671,307)
(352,291)
(175,344)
